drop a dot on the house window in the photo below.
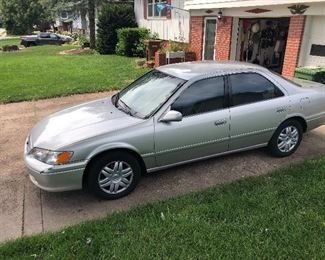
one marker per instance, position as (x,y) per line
(317,50)
(64,15)
(152,9)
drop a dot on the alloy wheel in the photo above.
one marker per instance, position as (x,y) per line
(115,177)
(288,139)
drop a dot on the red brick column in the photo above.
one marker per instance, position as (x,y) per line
(291,57)
(196,35)
(160,59)
(223,40)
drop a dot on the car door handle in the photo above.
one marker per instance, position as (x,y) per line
(220,122)
(281,109)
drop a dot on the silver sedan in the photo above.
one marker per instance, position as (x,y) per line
(172,115)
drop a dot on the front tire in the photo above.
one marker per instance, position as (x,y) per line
(113,175)
(286,139)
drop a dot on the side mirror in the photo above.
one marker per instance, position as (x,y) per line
(172,116)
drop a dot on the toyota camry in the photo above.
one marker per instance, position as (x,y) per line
(172,115)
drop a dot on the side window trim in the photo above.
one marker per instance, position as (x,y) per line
(226,98)
(249,72)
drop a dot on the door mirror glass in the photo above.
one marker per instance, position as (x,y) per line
(172,116)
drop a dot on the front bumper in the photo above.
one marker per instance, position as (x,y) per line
(55,178)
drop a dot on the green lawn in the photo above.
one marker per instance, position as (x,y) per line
(10,41)
(41,72)
(281,215)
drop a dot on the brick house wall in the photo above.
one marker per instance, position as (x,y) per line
(295,35)
(223,38)
(196,35)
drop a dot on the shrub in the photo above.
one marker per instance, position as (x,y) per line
(130,41)
(111,18)
(315,74)
(177,46)
(80,39)
(8,48)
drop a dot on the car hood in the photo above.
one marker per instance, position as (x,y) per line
(78,123)
(66,38)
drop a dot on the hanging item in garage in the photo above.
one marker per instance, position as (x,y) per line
(262,41)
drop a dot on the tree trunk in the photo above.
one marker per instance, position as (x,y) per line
(92,26)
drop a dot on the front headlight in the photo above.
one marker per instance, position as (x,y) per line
(51,157)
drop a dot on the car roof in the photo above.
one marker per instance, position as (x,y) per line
(190,70)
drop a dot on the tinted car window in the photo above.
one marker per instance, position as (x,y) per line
(44,35)
(53,36)
(251,87)
(202,96)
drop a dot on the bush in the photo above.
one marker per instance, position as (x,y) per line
(8,48)
(111,18)
(130,41)
(173,46)
(80,39)
(315,74)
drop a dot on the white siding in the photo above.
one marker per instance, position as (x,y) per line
(314,34)
(213,4)
(176,28)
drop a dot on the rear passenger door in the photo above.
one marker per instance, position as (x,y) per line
(257,107)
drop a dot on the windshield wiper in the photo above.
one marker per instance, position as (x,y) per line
(124,107)
(121,105)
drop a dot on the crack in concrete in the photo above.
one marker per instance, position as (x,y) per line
(41,204)
(23,211)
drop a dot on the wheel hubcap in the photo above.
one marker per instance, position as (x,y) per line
(115,177)
(288,139)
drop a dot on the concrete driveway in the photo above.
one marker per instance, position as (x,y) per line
(25,210)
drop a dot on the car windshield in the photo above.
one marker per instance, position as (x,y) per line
(145,95)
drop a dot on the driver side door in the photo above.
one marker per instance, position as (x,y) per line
(204,129)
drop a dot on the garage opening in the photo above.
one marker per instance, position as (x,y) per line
(263,41)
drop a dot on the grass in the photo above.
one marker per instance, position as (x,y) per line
(41,72)
(9,41)
(281,215)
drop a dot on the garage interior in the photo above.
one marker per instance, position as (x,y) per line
(263,41)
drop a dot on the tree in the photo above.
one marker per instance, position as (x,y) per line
(19,17)
(92,25)
(81,7)
(113,17)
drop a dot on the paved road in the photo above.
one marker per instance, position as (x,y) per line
(25,210)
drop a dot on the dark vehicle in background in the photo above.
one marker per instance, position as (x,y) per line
(44,38)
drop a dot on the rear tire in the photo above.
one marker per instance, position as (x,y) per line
(113,175)
(286,139)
